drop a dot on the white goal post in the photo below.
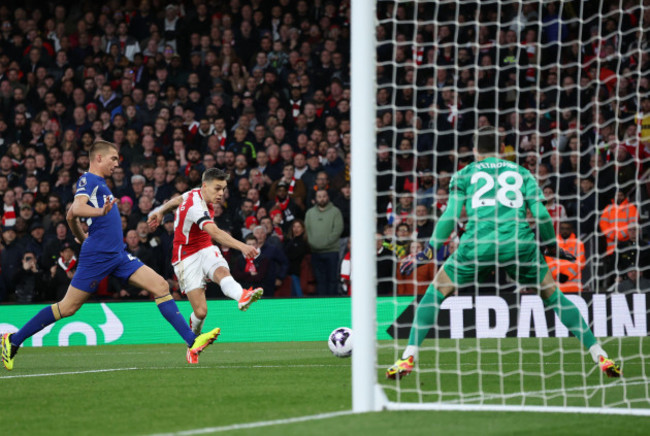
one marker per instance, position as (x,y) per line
(362,177)
(537,367)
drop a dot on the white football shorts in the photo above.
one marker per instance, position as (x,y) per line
(195,271)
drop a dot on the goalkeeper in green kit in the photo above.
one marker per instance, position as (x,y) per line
(496,194)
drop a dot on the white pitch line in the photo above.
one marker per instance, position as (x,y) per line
(550,391)
(257,424)
(67,373)
(156,368)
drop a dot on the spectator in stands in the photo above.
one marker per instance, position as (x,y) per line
(296,247)
(385,267)
(36,241)
(614,223)
(321,182)
(324,225)
(568,273)
(240,145)
(424,273)
(53,247)
(342,201)
(616,220)
(310,175)
(10,260)
(295,187)
(250,272)
(28,279)
(61,272)
(423,222)
(133,246)
(587,210)
(634,253)
(279,264)
(554,208)
(284,203)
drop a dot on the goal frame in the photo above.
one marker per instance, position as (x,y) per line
(367,393)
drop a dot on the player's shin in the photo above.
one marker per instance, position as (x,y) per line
(42,319)
(571,318)
(425,318)
(169,310)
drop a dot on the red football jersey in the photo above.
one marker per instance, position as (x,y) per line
(191,216)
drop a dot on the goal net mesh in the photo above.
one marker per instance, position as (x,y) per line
(566,84)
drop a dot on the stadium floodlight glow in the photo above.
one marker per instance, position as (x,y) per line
(546,73)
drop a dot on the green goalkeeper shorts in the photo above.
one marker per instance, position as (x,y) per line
(523,262)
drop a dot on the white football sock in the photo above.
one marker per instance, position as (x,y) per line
(411,350)
(197,323)
(231,288)
(596,350)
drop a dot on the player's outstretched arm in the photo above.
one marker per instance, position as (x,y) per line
(447,222)
(444,227)
(547,236)
(223,238)
(155,216)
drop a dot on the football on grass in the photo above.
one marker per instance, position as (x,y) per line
(340,342)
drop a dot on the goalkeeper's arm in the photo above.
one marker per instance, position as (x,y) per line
(547,237)
(445,226)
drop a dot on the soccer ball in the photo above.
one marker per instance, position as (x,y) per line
(340,342)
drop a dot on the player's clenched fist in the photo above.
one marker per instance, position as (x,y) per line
(249,251)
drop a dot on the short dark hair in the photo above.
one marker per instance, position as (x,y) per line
(589,178)
(250,237)
(214,174)
(486,140)
(101,147)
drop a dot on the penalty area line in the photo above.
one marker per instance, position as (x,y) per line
(257,424)
(51,374)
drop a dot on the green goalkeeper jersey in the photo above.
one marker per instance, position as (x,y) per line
(496,194)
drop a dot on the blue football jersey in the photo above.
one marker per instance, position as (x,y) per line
(104,232)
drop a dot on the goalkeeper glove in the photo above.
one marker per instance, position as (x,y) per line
(553,251)
(409,264)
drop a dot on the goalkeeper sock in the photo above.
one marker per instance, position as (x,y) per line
(571,318)
(425,318)
(596,351)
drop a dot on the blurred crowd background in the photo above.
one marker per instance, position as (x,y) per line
(261,89)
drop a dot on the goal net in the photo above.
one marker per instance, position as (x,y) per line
(567,86)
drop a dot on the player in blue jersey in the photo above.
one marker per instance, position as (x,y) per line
(103,253)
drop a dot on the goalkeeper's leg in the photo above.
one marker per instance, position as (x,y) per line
(425,318)
(573,320)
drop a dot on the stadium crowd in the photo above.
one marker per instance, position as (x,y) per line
(262,90)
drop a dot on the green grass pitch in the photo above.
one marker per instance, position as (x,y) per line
(151,390)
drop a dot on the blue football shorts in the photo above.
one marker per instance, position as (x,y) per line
(93,267)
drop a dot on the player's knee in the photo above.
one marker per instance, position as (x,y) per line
(160,288)
(67,310)
(201,312)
